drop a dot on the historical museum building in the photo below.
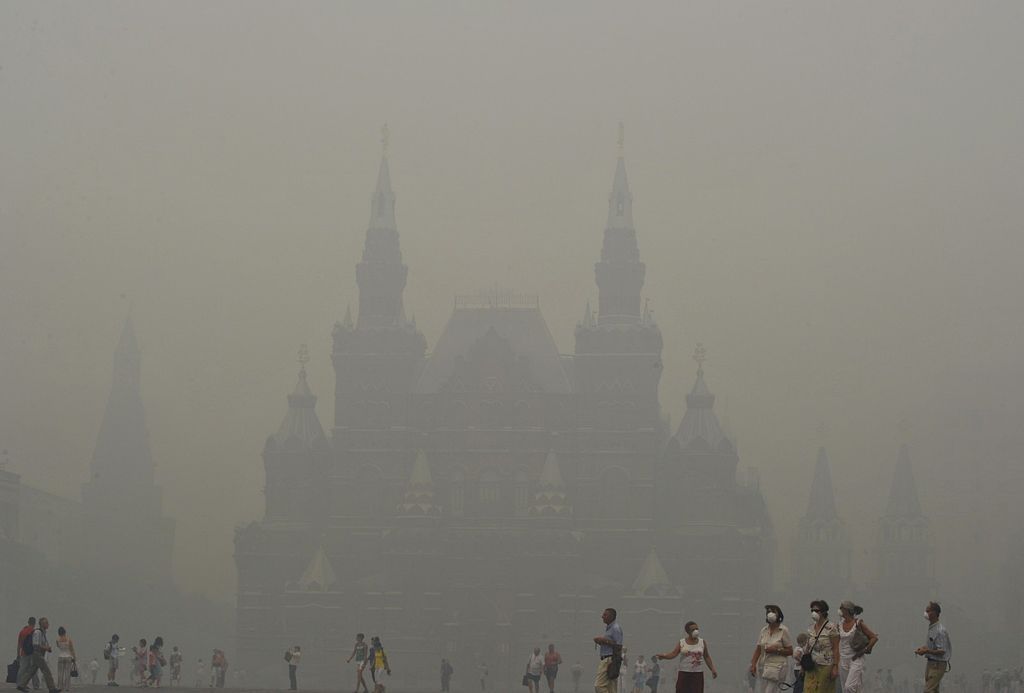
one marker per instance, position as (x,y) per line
(491,494)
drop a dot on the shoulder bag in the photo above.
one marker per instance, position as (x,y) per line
(807,662)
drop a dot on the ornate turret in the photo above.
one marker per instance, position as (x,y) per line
(904,541)
(699,428)
(551,499)
(301,426)
(418,500)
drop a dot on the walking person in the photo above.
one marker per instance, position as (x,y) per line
(446,675)
(822,651)
(156,662)
(576,670)
(655,675)
(359,654)
(693,655)
(855,641)
(798,654)
(771,654)
(65,658)
(200,670)
(610,652)
(378,659)
(534,668)
(552,660)
(176,661)
(938,650)
(25,641)
(293,656)
(37,662)
(639,674)
(94,671)
(111,653)
(140,669)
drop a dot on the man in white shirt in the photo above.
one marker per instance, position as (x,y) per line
(37,663)
(293,667)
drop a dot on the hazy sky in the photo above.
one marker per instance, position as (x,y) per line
(827,195)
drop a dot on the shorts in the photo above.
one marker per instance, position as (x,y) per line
(534,677)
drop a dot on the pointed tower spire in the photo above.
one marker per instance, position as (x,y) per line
(822,504)
(620,274)
(588,317)
(300,426)
(418,500)
(348,323)
(903,501)
(122,463)
(551,499)
(381,276)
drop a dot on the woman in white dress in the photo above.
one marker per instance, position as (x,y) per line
(855,641)
(774,647)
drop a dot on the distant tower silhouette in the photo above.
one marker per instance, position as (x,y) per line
(121,501)
(821,550)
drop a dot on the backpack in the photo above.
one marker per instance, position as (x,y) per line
(26,644)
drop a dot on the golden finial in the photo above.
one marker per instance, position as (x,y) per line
(385,139)
(622,137)
(303,357)
(699,355)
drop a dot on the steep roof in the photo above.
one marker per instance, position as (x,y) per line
(822,504)
(517,321)
(652,580)
(300,422)
(319,575)
(700,421)
(903,501)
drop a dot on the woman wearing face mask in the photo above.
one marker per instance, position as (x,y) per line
(855,641)
(823,646)
(693,654)
(774,646)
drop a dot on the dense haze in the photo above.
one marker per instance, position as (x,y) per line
(827,195)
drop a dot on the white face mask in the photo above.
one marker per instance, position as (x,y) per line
(927,616)
(815,616)
(695,633)
(772,617)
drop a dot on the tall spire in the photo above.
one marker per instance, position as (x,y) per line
(822,504)
(122,463)
(620,274)
(418,500)
(381,276)
(903,501)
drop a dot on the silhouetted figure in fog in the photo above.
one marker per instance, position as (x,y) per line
(112,653)
(378,659)
(360,654)
(65,658)
(577,673)
(937,650)
(293,656)
(694,655)
(609,647)
(24,655)
(446,675)
(200,670)
(94,671)
(176,660)
(140,655)
(639,674)
(482,669)
(654,677)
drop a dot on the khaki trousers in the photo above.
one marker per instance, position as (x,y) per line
(933,674)
(37,663)
(603,684)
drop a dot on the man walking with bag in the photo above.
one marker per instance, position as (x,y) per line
(37,659)
(938,650)
(610,651)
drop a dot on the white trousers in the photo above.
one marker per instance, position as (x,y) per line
(851,674)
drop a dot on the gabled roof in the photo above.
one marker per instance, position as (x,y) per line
(521,326)
(551,499)
(652,580)
(419,492)
(319,575)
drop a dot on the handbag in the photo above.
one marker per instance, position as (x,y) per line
(859,640)
(615,665)
(526,680)
(74,669)
(12,671)
(807,662)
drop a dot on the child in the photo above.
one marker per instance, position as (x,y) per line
(798,653)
